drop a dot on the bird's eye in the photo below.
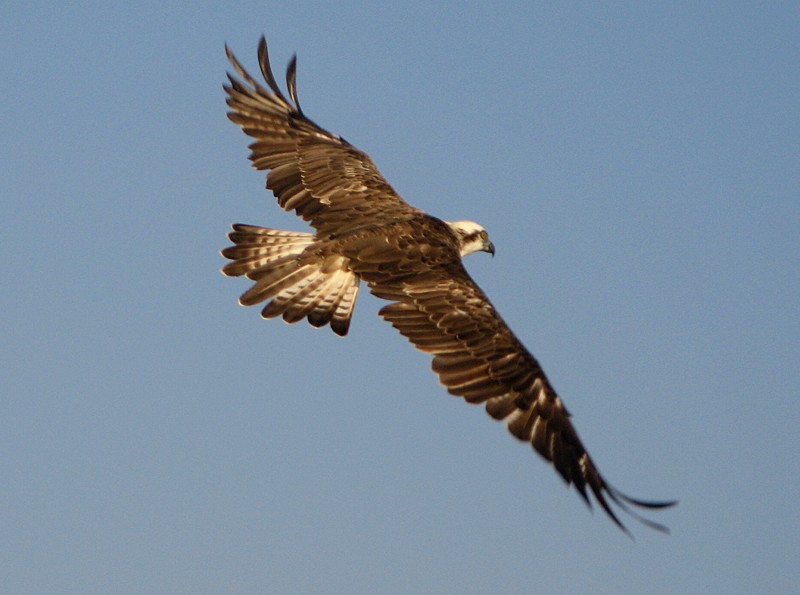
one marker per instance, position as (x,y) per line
(484,235)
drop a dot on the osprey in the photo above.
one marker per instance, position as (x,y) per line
(365,232)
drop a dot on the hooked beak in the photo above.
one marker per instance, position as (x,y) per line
(489,248)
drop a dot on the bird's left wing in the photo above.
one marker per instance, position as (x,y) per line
(319,175)
(477,357)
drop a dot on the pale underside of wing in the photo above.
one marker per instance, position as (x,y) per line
(477,357)
(324,179)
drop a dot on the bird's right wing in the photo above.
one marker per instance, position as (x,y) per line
(477,357)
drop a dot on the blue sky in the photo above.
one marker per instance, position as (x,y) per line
(637,167)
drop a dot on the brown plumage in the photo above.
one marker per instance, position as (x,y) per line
(365,231)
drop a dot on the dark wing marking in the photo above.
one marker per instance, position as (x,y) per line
(477,357)
(323,178)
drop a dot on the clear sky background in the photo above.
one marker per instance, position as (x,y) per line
(638,168)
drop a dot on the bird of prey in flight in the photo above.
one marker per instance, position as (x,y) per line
(364,231)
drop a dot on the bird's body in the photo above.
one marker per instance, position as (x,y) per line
(364,231)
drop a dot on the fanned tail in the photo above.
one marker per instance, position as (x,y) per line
(319,288)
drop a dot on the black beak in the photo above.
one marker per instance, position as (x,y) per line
(490,249)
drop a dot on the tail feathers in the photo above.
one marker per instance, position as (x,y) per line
(322,289)
(256,247)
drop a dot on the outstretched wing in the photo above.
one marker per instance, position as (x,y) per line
(323,178)
(477,357)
